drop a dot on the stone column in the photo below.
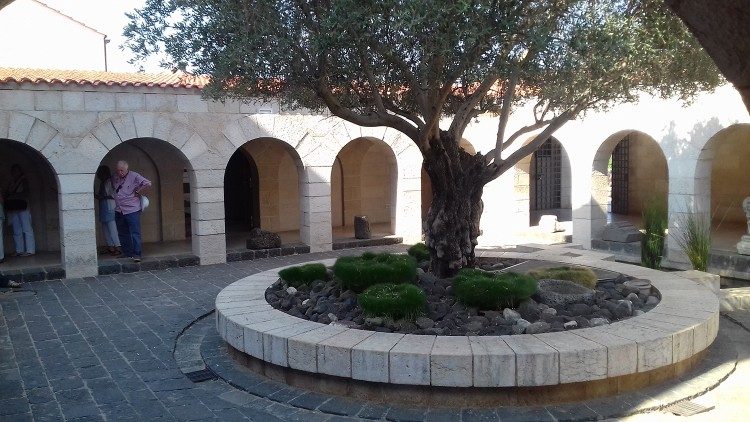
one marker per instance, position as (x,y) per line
(207,221)
(408,203)
(743,247)
(315,206)
(78,225)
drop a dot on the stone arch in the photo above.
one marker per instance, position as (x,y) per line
(161,126)
(721,182)
(523,189)
(357,184)
(280,184)
(646,177)
(43,201)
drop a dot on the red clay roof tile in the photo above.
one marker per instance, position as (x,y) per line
(95,78)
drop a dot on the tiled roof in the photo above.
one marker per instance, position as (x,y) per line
(95,78)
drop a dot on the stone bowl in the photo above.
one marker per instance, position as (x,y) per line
(563,292)
(644,286)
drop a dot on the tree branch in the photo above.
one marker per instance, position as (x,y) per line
(510,92)
(466,111)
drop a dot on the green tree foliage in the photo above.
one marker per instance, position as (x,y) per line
(427,67)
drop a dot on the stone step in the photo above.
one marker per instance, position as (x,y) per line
(733,300)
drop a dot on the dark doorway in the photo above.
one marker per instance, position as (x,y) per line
(620,166)
(241,193)
(545,175)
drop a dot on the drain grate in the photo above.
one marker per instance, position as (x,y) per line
(687,408)
(200,376)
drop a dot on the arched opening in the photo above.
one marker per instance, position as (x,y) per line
(241,193)
(427,183)
(363,182)
(42,209)
(722,182)
(542,187)
(629,172)
(262,190)
(549,183)
(165,224)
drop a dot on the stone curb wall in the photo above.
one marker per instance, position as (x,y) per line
(683,324)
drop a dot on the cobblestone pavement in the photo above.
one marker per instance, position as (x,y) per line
(102,349)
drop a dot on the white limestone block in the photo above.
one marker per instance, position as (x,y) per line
(370,357)
(130,101)
(622,354)
(451,362)
(275,341)
(410,360)
(11,99)
(191,103)
(47,100)
(537,363)
(235,334)
(654,345)
(99,101)
(160,102)
(580,359)
(335,353)
(253,332)
(72,101)
(40,135)
(302,349)
(494,362)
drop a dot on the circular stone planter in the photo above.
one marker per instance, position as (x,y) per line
(614,358)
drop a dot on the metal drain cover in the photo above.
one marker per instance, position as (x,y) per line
(200,376)
(687,408)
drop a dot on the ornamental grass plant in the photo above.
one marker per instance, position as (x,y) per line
(357,273)
(420,252)
(655,227)
(393,301)
(303,275)
(694,238)
(579,275)
(486,290)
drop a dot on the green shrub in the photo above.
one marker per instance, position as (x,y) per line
(393,300)
(694,238)
(420,252)
(486,290)
(303,274)
(655,225)
(360,272)
(579,275)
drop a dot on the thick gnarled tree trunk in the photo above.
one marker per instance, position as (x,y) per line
(452,225)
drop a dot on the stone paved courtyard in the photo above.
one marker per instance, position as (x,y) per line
(102,349)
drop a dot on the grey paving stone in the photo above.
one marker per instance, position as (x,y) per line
(309,400)
(404,414)
(341,406)
(442,415)
(479,415)
(523,414)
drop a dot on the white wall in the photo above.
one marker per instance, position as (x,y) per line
(36,37)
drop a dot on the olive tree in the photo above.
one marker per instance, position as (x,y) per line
(428,67)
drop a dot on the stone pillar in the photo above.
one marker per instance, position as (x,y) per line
(582,200)
(207,222)
(315,206)
(743,247)
(407,208)
(78,225)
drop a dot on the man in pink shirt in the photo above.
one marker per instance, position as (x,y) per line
(129,186)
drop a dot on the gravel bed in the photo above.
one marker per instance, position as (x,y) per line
(326,303)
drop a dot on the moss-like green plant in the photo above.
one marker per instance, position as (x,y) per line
(486,290)
(694,238)
(360,272)
(393,300)
(579,275)
(303,274)
(655,225)
(420,252)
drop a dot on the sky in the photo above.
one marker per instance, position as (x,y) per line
(108,17)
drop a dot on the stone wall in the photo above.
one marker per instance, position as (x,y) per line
(647,173)
(75,127)
(730,178)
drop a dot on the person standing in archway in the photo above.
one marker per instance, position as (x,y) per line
(2,228)
(129,187)
(105,195)
(17,206)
